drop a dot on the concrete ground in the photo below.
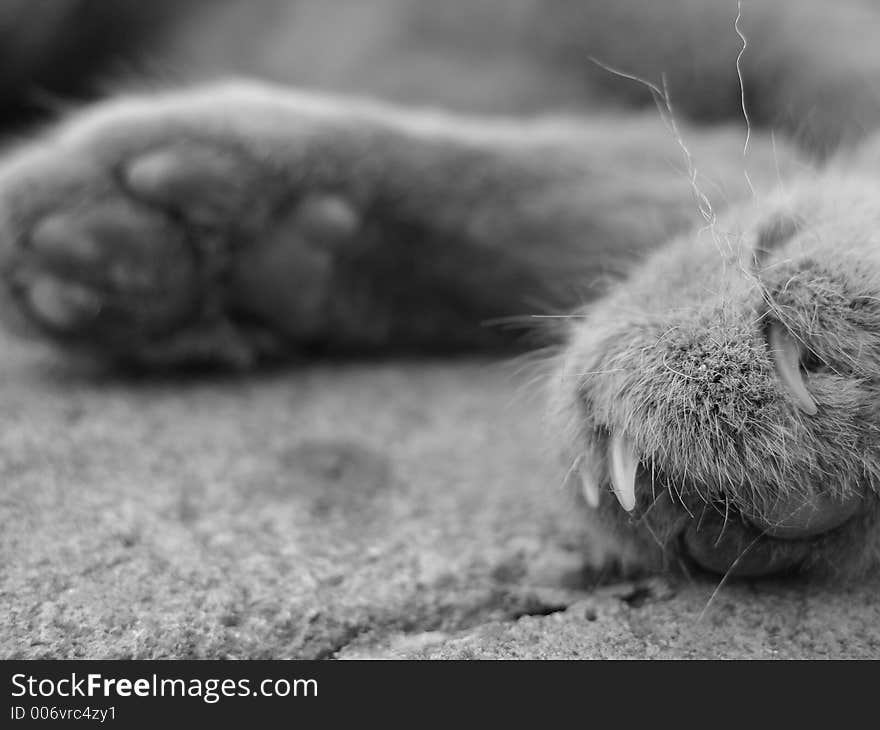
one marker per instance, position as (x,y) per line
(362,510)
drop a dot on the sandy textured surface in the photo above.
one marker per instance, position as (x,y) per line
(406,510)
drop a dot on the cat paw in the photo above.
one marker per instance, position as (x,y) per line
(722,407)
(153,231)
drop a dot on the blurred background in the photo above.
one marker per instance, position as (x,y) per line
(486,55)
(811,67)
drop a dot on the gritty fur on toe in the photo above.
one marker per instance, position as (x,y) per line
(678,360)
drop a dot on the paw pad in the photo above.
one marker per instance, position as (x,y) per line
(205,186)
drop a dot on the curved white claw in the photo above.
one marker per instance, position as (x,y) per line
(786,354)
(624,463)
(589,485)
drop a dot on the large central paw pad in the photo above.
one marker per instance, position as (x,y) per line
(107,272)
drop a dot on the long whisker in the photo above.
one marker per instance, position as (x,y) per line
(726,576)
